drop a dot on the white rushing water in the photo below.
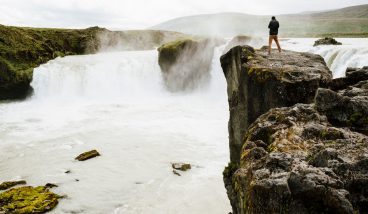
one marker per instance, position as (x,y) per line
(352,52)
(116,103)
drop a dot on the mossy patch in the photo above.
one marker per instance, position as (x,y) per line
(261,75)
(230,169)
(28,200)
(9,184)
(354,118)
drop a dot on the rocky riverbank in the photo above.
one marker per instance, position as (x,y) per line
(23,49)
(297,142)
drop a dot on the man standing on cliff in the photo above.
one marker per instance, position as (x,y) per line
(274,31)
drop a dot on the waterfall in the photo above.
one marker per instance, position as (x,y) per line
(352,53)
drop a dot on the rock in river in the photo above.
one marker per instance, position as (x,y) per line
(25,200)
(181,166)
(87,155)
(327,41)
(9,184)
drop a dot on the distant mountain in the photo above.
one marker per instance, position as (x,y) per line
(350,21)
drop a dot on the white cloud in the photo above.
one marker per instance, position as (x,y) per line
(134,14)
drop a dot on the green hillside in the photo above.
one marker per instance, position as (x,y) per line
(346,22)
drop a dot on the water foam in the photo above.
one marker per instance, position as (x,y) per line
(353,53)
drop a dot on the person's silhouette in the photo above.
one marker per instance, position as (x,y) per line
(274,31)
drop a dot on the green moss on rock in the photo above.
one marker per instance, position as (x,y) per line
(169,53)
(28,200)
(9,184)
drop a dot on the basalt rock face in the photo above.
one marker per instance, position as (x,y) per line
(186,63)
(257,82)
(301,158)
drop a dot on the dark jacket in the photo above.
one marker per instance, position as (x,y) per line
(274,27)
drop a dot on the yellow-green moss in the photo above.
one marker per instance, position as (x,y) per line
(177,44)
(270,148)
(260,74)
(28,200)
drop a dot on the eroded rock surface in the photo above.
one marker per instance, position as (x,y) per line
(294,161)
(301,158)
(257,82)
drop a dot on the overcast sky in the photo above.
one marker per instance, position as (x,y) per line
(138,14)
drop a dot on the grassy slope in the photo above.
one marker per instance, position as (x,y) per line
(351,21)
(22,49)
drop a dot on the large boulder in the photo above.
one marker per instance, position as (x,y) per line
(257,82)
(186,63)
(294,161)
(326,41)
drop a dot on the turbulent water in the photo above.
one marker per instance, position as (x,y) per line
(353,53)
(117,103)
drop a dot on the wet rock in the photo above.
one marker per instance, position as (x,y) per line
(257,82)
(181,166)
(28,200)
(51,185)
(301,170)
(9,184)
(326,41)
(348,107)
(176,173)
(186,63)
(352,77)
(87,155)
